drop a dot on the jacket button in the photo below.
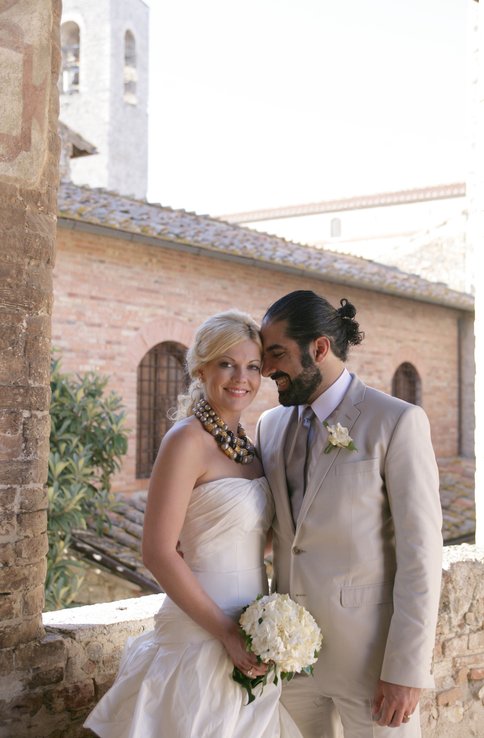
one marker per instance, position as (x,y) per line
(297,550)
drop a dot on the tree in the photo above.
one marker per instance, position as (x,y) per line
(87,441)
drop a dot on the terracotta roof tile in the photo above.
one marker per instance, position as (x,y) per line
(88,208)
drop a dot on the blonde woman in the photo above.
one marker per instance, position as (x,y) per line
(207,491)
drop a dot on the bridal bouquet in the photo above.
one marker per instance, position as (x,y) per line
(283,635)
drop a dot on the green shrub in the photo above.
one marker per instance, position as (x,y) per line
(87,440)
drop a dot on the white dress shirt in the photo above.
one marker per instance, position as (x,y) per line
(329,400)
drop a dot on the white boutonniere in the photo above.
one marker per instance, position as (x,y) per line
(338,437)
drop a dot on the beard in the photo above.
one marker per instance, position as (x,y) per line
(302,387)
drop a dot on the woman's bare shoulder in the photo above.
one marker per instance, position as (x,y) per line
(188,430)
(181,458)
(186,439)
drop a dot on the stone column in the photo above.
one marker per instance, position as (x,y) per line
(29,152)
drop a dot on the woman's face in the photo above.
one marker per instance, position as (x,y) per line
(231,381)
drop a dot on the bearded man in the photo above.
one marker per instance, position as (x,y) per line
(357,533)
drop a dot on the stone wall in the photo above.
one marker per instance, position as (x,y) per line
(29,152)
(77,660)
(75,664)
(455,708)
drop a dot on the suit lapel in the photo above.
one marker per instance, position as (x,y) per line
(346,413)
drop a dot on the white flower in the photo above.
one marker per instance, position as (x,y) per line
(282,634)
(338,436)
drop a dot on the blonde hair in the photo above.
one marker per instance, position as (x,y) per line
(213,339)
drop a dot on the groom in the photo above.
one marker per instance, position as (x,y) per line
(357,534)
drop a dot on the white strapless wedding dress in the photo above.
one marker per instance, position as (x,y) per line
(175,681)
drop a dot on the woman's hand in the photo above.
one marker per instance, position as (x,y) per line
(244,661)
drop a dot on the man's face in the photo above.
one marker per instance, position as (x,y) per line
(294,371)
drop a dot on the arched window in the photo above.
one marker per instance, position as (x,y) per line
(406,384)
(130,72)
(161,378)
(335,227)
(70,43)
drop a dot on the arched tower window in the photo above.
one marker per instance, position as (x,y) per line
(406,384)
(70,43)
(130,72)
(161,378)
(335,227)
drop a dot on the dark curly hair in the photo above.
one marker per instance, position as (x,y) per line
(309,316)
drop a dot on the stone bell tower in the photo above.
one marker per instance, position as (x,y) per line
(104,90)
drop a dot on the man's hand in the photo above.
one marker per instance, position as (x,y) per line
(394,704)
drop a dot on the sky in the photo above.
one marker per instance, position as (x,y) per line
(265,103)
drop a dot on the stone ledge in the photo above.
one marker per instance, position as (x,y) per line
(122,612)
(462,553)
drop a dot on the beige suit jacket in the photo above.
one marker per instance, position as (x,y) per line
(366,555)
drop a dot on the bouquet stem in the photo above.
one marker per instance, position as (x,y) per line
(249,683)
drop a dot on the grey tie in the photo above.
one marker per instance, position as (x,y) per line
(297,460)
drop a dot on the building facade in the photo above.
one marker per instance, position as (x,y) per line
(134,280)
(104,90)
(421,231)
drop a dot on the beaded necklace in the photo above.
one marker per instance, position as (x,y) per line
(238,447)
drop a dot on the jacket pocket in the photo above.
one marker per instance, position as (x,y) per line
(367,594)
(367,466)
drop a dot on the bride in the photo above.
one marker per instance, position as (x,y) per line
(207,492)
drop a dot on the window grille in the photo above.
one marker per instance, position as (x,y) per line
(161,378)
(130,71)
(70,43)
(406,384)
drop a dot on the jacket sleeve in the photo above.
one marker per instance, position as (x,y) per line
(412,483)
(259,433)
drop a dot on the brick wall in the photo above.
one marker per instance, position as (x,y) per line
(467,420)
(115,299)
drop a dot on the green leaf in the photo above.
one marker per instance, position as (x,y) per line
(88,439)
